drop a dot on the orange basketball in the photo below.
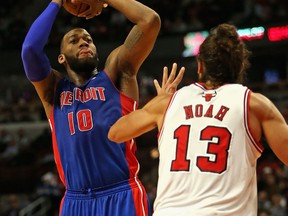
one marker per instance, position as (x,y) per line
(75,8)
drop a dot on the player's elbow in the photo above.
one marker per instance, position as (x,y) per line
(155,20)
(284,159)
(152,22)
(113,135)
(28,52)
(26,49)
(280,150)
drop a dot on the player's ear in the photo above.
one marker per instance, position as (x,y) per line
(61,58)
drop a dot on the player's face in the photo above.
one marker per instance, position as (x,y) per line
(80,51)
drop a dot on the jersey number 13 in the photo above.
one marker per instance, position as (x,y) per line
(219,149)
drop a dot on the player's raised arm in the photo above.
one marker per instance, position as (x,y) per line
(142,36)
(36,64)
(124,62)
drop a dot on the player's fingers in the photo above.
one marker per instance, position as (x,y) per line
(90,13)
(95,9)
(157,86)
(179,77)
(85,13)
(81,1)
(90,16)
(165,76)
(173,73)
(76,1)
(172,87)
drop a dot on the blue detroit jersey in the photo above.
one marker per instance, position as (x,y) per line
(80,122)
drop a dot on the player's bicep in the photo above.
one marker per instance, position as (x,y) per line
(274,127)
(137,46)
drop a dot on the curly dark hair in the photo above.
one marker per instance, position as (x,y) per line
(224,56)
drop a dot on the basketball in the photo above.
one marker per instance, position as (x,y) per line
(75,8)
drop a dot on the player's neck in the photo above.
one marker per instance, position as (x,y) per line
(211,85)
(81,78)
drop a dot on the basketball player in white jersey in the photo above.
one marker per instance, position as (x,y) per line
(209,134)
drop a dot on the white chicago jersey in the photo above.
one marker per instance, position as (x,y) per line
(207,154)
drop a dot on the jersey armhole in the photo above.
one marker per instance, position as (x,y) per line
(257,145)
(124,97)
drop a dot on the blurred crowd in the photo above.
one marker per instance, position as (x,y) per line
(27,167)
(177,17)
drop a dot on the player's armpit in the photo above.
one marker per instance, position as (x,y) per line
(46,88)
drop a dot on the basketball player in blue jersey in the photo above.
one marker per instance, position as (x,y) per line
(100,176)
(209,134)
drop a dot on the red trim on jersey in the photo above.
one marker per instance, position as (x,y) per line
(200,85)
(140,200)
(121,94)
(204,87)
(56,151)
(169,104)
(128,105)
(257,145)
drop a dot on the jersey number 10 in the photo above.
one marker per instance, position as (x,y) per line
(83,119)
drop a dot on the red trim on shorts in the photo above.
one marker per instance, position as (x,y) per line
(140,198)
(61,204)
(141,203)
(139,195)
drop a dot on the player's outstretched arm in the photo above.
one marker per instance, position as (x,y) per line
(151,115)
(140,121)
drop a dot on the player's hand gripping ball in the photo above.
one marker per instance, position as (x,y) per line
(84,8)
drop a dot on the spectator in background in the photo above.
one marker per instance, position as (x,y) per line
(14,205)
(51,188)
(15,32)
(11,151)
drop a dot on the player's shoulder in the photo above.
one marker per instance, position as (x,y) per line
(259,99)
(260,104)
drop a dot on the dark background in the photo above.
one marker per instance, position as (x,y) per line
(28,172)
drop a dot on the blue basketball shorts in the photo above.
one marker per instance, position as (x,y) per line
(122,199)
